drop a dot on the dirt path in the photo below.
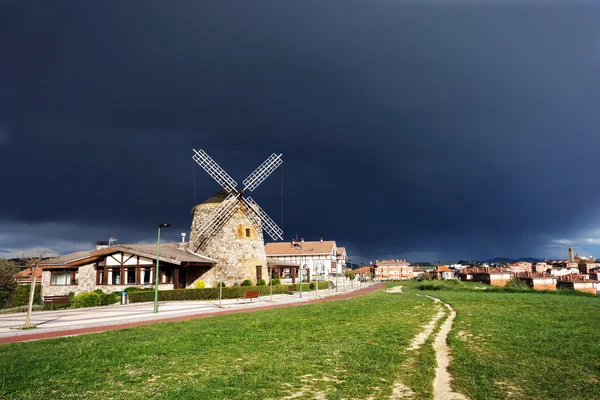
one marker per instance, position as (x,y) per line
(441,383)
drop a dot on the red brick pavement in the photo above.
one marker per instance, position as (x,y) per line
(95,329)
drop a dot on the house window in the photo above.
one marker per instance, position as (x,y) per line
(131,275)
(114,276)
(146,276)
(247,232)
(63,277)
(100,277)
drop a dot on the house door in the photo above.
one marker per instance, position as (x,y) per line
(258,272)
(179,275)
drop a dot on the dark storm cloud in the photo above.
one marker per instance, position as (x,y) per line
(441,130)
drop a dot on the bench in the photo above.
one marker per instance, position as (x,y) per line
(251,295)
(52,300)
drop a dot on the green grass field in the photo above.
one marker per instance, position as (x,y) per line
(522,345)
(344,349)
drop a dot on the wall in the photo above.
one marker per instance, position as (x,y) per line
(237,255)
(87,283)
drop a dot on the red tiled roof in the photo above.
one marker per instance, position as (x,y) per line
(25,275)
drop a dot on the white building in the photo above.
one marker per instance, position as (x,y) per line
(317,258)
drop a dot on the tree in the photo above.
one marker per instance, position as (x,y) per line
(8,284)
(34,264)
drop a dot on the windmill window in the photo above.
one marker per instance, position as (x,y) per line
(247,232)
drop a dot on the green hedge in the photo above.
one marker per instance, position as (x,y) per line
(234,292)
(20,296)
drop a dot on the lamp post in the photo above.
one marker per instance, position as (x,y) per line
(338,259)
(298,246)
(351,271)
(163,225)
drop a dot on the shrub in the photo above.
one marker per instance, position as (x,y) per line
(517,284)
(86,299)
(200,284)
(247,282)
(212,293)
(311,286)
(425,277)
(131,289)
(261,282)
(275,282)
(20,296)
(221,284)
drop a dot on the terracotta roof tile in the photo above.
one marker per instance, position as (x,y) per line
(287,249)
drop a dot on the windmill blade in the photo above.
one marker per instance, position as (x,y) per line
(214,170)
(268,224)
(262,172)
(216,220)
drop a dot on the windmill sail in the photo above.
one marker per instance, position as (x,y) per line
(262,172)
(214,170)
(217,219)
(268,224)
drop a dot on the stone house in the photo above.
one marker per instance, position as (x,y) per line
(234,253)
(114,268)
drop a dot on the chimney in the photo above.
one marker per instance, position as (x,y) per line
(302,241)
(102,245)
(293,242)
(321,240)
(183,243)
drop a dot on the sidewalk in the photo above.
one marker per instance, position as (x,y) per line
(98,319)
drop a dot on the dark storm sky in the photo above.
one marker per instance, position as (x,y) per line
(425,130)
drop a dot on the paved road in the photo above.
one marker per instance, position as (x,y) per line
(97,319)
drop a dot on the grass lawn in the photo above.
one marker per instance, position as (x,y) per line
(353,349)
(523,345)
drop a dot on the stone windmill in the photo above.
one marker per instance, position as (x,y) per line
(229,226)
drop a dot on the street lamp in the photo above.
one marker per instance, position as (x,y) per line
(298,246)
(163,225)
(339,258)
(351,271)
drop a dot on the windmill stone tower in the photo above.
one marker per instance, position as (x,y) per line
(238,246)
(229,227)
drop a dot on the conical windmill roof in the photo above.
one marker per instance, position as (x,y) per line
(216,198)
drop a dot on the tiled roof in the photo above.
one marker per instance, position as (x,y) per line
(67,258)
(287,249)
(169,252)
(25,275)
(392,262)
